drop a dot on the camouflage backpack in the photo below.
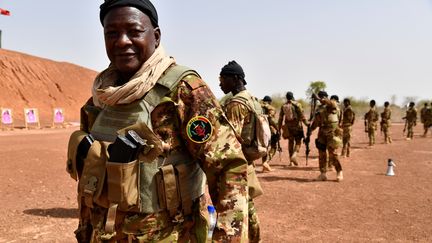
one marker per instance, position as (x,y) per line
(256,135)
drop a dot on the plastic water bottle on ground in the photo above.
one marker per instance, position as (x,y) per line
(212,221)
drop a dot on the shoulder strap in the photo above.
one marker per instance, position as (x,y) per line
(242,99)
(168,82)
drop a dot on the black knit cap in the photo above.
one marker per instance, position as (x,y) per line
(144,5)
(233,68)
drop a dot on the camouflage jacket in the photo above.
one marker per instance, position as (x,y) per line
(298,116)
(411,114)
(423,112)
(348,116)
(270,111)
(326,119)
(371,116)
(220,156)
(386,115)
(238,114)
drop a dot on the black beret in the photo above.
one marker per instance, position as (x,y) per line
(289,95)
(144,5)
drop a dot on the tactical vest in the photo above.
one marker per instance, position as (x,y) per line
(166,183)
(330,117)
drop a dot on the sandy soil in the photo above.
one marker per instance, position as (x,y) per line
(38,196)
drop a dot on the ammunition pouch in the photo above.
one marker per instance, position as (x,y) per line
(122,182)
(91,183)
(73,165)
(254,185)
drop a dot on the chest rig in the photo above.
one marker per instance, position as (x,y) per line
(169,182)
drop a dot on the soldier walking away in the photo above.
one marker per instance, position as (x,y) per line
(410,120)
(428,120)
(386,122)
(348,118)
(290,126)
(329,135)
(270,111)
(150,136)
(238,111)
(371,122)
(425,118)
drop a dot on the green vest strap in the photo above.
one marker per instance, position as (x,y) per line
(167,82)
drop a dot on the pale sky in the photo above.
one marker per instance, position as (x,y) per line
(368,49)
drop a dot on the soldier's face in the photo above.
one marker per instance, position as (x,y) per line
(130,38)
(226,83)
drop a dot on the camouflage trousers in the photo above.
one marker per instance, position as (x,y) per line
(272,151)
(254,225)
(410,129)
(139,228)
(333,159)
(386,133)
(346,140)
(426,126)
(371,135)
(294,144)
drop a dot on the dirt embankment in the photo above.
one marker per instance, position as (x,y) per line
(33,82)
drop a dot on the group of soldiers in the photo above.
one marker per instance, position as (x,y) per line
(335,127)
(372,117)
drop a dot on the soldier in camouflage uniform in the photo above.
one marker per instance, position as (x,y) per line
(424,118)
(411,120)
(428,120)
(348,118)
(232,80)
(329,135)
(386,122)
(159,195)
(290,122)
(270,111)
(371,122)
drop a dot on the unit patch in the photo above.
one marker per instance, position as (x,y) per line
(199,129)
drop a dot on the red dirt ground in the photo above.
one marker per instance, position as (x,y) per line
(38,196)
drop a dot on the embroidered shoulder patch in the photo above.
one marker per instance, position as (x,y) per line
(199,129)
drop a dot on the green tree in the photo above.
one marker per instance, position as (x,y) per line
(315,87)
